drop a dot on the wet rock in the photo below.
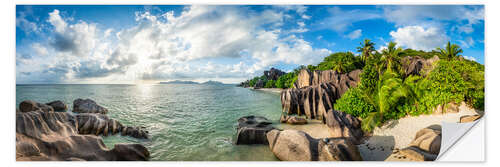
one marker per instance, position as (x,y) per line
(88,106)
(293,145)
(29,105)
(252,130)
(425,146)
(58,105)
(344,125)
(469,118)
(54,136)
(100,124)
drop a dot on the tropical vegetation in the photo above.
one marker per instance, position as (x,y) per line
(385,92)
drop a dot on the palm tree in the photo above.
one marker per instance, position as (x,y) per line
(389,90)
(391,55)
(451,51)
(366,49)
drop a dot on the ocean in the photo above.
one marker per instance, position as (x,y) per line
(186,122)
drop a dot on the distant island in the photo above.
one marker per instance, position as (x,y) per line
(209,82)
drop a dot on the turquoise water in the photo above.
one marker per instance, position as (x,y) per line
(185,121)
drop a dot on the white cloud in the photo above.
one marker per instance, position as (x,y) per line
(237,42)
(419,38)
(467,43)
(354,34)
(39,49)
(470,58)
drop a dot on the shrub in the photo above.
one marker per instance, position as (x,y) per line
(352,102)
(270,84)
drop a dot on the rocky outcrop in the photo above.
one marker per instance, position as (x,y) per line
(99,124)
(88,106)
(450,107)
(425,146)
(342,125)
(54,136)
(415,65)
(252,130)
(469,118)
(259,84)
(317,92)
(58,105)
(293,145)
(273,74)
(338,149)
(29,105)
(293,120)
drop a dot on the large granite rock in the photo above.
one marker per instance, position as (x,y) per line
(417,65)
(426,144)
(342,125)
(316,92)
(252,130)
(58,105)
(99,124)
(293,120)
(273,74)
(338,149)
(54,136)
(30,105)
(469,118)
(293,145)
(88,106)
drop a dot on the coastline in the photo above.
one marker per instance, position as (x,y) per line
(271,90)
(383,144)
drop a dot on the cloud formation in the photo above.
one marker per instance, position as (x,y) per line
(419,38)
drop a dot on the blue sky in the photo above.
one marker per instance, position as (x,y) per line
(147,44)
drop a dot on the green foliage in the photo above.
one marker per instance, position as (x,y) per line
(391,56)
(420,53)
(366,49)
(451,51)
(353,102)
(253,81)
(270,84)
(389,91)
(342,62)
(369,78)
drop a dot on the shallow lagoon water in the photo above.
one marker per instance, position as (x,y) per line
(186,121)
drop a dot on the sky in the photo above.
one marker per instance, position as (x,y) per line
(113,44)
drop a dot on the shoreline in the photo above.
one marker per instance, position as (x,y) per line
(383,143)
(271,90)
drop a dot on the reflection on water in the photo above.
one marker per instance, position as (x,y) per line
(186,121)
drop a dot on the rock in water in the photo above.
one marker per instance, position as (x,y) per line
(426,144)
(53,136)
(99,124)
(88,106)
(293,145)
(469,118)
(316,92)
(58,105)
(29,105)
(344,125)
(252,130)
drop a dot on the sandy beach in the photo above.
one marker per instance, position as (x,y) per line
(272,90)
(383,144)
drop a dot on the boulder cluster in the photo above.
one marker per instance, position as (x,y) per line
(43,134)
(425,146)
